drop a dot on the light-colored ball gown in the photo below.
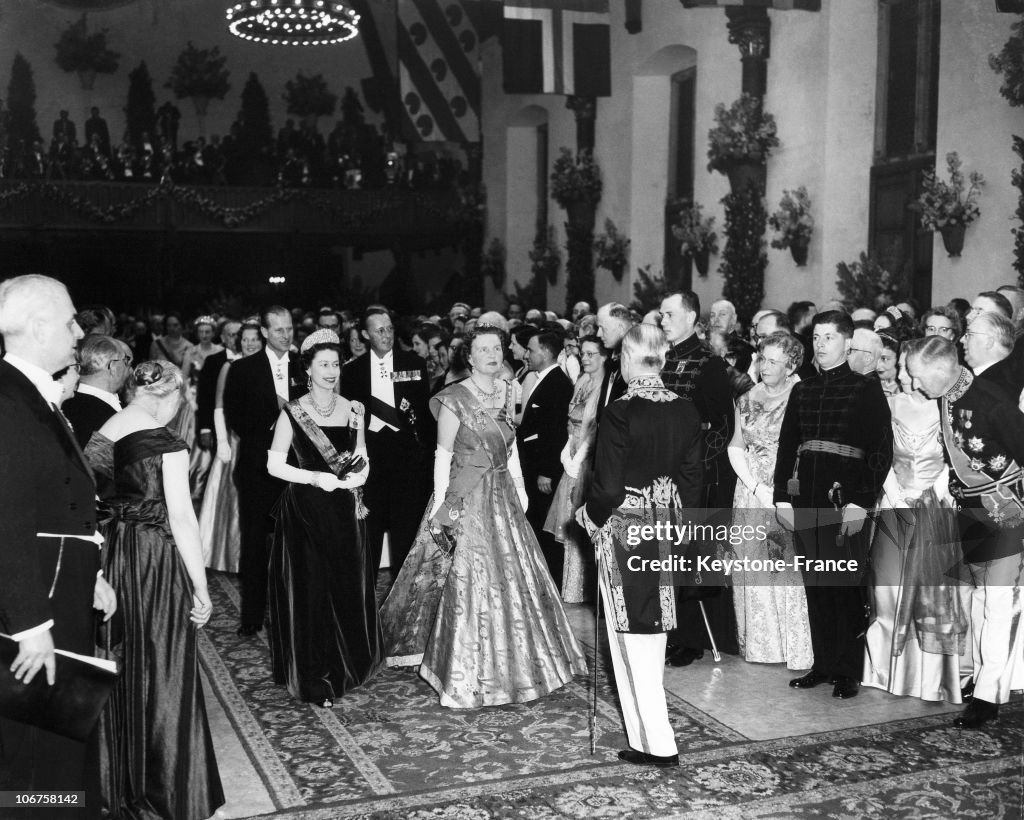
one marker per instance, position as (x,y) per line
(218,519)
(914,642)
(771,607)
(485,626)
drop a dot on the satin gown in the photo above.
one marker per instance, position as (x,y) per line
(156,751)
(903,660)
(218,518)
(486,626)
(325,636)
(579,574)
(771,607)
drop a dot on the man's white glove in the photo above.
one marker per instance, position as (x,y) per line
(442,477)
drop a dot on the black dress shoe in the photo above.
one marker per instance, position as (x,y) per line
(684,656)
(845,688)
(967,692)
(809,681)
(248,630)
(977,713)
(644,759)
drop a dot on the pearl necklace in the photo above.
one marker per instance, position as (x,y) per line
(324,412)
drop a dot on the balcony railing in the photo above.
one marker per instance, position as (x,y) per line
(391,213)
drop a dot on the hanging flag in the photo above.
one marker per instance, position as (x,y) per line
(557,47)
(778,5)
(439,70)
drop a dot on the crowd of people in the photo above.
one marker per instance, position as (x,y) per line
(864,467)
(352,155)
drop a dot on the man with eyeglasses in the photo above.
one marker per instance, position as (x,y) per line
(835,448)
(987,345)
(864,351)
(106,364)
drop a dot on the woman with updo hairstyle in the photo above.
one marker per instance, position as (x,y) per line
(771,608)
(325,636)
(474,606)
(218,518)
(154,731)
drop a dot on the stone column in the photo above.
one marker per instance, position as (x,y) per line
(750,29)
(585,109)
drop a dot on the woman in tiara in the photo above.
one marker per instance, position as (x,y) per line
(324,633)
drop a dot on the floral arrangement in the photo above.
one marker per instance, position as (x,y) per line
(865,283)
(545,258)
(78,50)
(793,222)
(694,232)
(575,179)
(943,204)
(611,250)
(309,97)
(492,265)
(1010,63)
(742,132)
(199,72)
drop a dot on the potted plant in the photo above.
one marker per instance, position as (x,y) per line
(611,250)
(199,74)
(309,98)
(741,141)
(1010,63)
(949,207)
(793,224)
(544,258)
(85,53)
(697,236)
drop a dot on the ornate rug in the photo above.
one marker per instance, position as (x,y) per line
(388,750)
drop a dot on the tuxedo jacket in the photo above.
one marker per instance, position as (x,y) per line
(416,421)
(612,376)
(46,486)
(251,408)
(544,429)
(206,389)
(87,414)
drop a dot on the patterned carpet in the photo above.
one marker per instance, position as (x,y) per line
(390,751)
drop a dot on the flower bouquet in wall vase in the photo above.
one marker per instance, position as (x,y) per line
(950,207)
(697,237)
(199,73)
(793,224)
(741,142)
(85,53)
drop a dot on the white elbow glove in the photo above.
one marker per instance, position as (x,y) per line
(442,476)
(515,470)
(279,468)
(223,440)
(356,478)
(574,464)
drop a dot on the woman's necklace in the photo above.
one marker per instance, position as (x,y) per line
(484,395)
(327,411)
(780,390)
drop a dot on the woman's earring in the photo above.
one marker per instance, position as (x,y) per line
(309,382)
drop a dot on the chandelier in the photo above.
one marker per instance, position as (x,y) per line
(293,22)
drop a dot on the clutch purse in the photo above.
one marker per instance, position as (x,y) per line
(71,706)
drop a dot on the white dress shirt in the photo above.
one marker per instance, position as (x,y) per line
(103,395)
(279,369)
(381,386)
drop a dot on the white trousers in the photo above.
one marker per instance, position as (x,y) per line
(639,665)
(997,642)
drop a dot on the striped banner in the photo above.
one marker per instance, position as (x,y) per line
(778,5)
(557,47)
(439,70)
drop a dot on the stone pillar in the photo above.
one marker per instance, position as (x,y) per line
(585,109)
(750,29)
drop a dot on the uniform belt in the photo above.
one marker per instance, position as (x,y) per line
(833,447)
(988,486)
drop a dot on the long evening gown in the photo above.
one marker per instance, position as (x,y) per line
(914,641)
(156,752)
(218,518)
(486,626)
(771,607)
(324,633)
(579,576)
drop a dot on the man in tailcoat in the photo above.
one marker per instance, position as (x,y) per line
(541,437)
(613,322)
(256,389)
(983,436)
(206,389)
(692,371)
(835,448)
(105,366)
(647,469)
(49,583)
(400,436)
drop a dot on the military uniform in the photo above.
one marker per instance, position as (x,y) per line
(835,448)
